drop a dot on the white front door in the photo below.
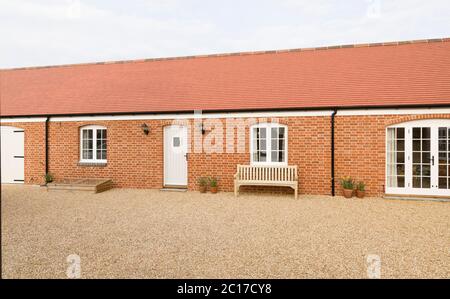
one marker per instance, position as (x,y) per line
(418,158)
(12,155)
(175,156)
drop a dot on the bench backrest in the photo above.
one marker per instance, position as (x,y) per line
(267,173)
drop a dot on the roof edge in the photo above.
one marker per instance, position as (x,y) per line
(359,107)
(365,45)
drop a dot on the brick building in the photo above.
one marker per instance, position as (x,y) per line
(377,112)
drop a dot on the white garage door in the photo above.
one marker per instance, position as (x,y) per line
(12,155)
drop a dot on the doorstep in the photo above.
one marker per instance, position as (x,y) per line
(173,189)
(416,197)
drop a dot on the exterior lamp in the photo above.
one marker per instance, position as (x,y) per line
(145,129)
(201,128)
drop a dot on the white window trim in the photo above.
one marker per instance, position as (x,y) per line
(94,145)
(269,127)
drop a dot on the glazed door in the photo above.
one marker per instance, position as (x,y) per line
(418,158)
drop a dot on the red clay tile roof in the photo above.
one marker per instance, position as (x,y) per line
(391,74)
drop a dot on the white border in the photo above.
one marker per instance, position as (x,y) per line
(205,115)
(22,119)
(269,126)
(94,145)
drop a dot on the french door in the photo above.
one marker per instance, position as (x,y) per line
(418,158)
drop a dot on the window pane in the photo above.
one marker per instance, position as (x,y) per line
(274,133)
(99,155)
(262,132)
(274,144)
(104,134)
(401,181)
(416,169)
(176,142)
(274,156)
(263,144)
(85,134)
(416,158)
(426,158)
(442,183)
(263,156)
(90,134)
(400,145)
(426,170)
(426,133)
(425,145)
(104,155)
(401,169)
(400,133)
(400,157)
(443,133)
(426,182)
(281,144)
(281,133)
(442,170)
(99,134)
(416,182)
(416,145)
(416,133)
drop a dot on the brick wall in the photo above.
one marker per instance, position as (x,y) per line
(135,160)
(309,140)
(361,145)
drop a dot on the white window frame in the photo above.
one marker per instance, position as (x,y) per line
(269,127)
(94,159)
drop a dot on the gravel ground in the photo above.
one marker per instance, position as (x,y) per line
(151,234)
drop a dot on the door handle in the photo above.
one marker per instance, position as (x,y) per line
(186,156)
(432,160)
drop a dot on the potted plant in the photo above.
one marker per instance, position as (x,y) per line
(360,190)
(213,185)
(347,185)
(48,177)
(202,183)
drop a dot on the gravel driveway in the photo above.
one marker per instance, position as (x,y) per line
(152,234)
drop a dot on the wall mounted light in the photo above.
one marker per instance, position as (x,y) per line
(145,129)
(201,128)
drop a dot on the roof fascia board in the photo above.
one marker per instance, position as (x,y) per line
(255,114)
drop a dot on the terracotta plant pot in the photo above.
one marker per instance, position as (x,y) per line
(348,193)
(360,194)
(202,189)
(214,190)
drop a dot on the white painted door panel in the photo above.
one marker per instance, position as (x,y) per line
(12,155)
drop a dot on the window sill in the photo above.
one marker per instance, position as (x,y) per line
(92,164)
(269,164)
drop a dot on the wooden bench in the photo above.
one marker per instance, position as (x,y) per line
(278,176)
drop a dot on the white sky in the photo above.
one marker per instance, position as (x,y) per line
(50,32)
